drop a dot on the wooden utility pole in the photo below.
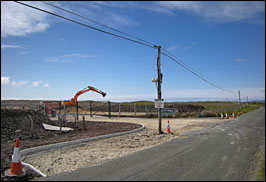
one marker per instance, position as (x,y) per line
(239,99)
(159,81)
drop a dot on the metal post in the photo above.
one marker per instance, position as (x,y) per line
(77,111)
(109,109)
(83,118)
(135,109)
(159,89)
(145,109)
(119,109)
(59,119)
(239,99)
(91,108)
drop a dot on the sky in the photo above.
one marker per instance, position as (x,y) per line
(49,58)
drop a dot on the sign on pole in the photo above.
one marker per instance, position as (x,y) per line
(159,103)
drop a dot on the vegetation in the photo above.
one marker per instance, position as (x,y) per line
(260,176)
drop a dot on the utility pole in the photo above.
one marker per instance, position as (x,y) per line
(247,100)
(159,81)
(239,99)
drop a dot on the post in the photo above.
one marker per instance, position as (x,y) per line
(247,100)
(84,128)
(239,99)
(91,108)
(159,88)
(109,109)
(59,119)
(135,109)
(77,111)
(119,110)
(145,109)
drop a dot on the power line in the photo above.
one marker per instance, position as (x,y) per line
(97,23)
(85,25)
(185,65)
(178,61)
(196,74)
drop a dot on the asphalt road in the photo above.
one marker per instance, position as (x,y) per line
(221,152)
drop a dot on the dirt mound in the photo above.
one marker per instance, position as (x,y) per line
(21,124)
(18,124)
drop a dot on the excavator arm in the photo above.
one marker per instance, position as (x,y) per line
(73,101)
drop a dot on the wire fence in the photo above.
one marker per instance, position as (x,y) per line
(128,109)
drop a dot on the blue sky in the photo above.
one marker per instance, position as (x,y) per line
(46,57)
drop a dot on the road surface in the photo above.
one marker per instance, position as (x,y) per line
(222,152)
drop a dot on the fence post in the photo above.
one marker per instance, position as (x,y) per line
(119,110)
(91,108)
(84,128)
(145,109)
(109,109)
(77,111)
(135,109)
(59,119)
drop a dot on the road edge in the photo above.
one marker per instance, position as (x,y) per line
(42,148)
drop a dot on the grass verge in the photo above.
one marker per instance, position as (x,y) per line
(260,174)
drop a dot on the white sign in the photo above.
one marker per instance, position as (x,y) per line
(159,103)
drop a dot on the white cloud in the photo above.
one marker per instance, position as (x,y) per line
(19,20)
(47,85)
(5,80)
(36,83)
(19,83)
(225,11)
(173,47)
(24,52)
(66,58)
(239,60)
(10,46)
(185,47)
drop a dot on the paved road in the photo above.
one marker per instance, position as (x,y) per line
(222,152)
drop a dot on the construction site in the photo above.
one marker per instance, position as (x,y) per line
(61,136)
(126,127)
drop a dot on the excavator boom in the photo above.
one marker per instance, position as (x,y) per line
(73,101)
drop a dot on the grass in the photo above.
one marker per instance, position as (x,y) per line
(260,175)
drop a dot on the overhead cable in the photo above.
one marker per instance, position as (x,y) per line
(148,44)
(97,29)
(97,22)
(196,74)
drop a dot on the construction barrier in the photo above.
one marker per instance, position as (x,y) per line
(16,166)
(168,127)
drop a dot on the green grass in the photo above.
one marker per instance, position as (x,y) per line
(260,175)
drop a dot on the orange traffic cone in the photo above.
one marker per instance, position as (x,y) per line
(222,116)
(226,116)
(168,127)
(233,115)
(16,166)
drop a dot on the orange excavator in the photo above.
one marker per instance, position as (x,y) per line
(73,101)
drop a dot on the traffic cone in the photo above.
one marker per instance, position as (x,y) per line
(226,116)
(168,127)
(16,166)
(222,116)
(233,115)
